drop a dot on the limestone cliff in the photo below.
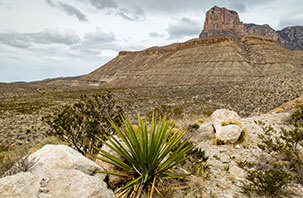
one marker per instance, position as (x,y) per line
(223,22)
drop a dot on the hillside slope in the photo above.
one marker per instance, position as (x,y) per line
(198,62)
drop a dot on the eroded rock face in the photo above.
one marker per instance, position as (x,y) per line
(292,37)
(59,171)
(222,22)
(262,30)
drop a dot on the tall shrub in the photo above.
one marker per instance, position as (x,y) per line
(78,124)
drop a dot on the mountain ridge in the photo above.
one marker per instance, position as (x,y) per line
(224,22)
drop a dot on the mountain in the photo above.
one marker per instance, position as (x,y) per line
(222,59)
(224,22)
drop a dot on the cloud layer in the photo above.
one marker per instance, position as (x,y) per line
(68,9)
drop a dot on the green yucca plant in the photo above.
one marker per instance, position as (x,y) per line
(148,153)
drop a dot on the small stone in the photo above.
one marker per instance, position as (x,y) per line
(237,172)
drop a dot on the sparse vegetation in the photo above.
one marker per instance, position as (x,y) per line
(168,110)
(245,163)
(12,166)
(148,155)
(219,142)
(79,124)
(284,145)
(269,182)
(16,157)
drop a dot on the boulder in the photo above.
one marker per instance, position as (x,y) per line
(228,133)
(58,171)
(205,132)
(223,115)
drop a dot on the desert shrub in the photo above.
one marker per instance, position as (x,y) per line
(245,163)
(148,154)
(285,145)
(266,182)
(13,165)
(297,115)
(79,123)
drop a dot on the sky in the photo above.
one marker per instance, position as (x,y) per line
(42,39)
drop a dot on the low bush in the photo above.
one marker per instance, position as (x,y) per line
(284,145)
(79,124)
(148,154)
(269,182)
(297,115)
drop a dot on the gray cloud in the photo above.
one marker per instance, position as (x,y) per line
(237,5)
(128,12)
(168,6)
(296,18)
(134,14)
(50,3)
(94,42)
(68,9)
(184,27)
(48,36)
(102,4)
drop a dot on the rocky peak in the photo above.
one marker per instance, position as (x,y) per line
(223,19)
(262,30)
(292,37)
(222,22)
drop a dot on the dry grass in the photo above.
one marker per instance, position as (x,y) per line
(14,159)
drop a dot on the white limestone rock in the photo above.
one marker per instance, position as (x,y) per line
(229,133)
(59,171)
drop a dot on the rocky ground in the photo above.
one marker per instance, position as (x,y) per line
(223,178)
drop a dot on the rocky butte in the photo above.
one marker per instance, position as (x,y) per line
(223,22)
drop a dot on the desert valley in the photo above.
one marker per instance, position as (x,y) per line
(232,88)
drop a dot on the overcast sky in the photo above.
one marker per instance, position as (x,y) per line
(52,38)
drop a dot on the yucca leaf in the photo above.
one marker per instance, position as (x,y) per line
(113,160)
(114,173)
(132,182)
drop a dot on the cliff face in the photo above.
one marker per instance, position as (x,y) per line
(292,37)
(223,22)
(262,30)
